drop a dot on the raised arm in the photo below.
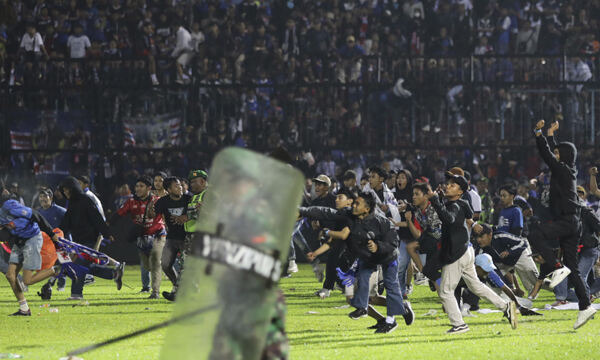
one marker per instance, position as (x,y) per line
(544,148)
(593,182)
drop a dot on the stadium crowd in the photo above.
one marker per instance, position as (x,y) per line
(378,221)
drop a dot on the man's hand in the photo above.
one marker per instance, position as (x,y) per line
(431,194)
(540,124)
(593,171)
(179,220)
(553,127)
(402,206)
(408,216)
(372,246)
(383,208)
(477,228)
(311,256)
(315,225)
(55,237)
(504,254)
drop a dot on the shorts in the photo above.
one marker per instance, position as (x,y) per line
(373,282)
(28,253)
(185,58)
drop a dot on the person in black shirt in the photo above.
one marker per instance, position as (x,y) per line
(566,223)
(457,255)
(171,206)
(374,241)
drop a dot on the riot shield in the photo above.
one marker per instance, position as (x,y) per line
(234,263)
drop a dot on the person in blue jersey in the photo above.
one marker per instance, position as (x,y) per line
(509,252)
(54,214)
(511,216)
(25,226)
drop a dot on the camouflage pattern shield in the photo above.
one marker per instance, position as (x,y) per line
(235,260)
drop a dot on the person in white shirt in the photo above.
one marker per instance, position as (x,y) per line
(32,44)
(184,52)
(473,197)
(78,43)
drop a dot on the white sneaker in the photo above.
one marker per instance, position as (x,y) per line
(323,293)
(426,128)
(421,279)
(558,276)
(583,316)
(292,267)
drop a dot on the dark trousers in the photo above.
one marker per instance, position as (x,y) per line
(567,230)
(169,255)
(333,259)
(96,270)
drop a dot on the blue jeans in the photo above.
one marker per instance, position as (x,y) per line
(587,259)
(394,301)
(403,263)
(100,271)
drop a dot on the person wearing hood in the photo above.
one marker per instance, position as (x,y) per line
(84,222)
(565,224)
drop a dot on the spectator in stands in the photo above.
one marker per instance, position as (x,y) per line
(78,43)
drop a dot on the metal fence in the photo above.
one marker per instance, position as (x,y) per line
(315,104)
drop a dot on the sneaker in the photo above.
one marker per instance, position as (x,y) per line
(60,289)
(458,329)
(169,295)
(154,296)
(511,314)
(45,292)
(119,275)
(409,315)
(357,314)
(409,289)
(421,279)
(89,279)
(377,325)
(323,293)
(437,129)
(528,312)
(75,297)
(292,267)
(558,276)
(426,128)
(583,316)
(145,290)
(21,313)
(386,328)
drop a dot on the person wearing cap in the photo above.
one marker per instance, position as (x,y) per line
(511,217)
(324,198)
(457,255)
(510,252)
(152,236)
(566,223)
(198,187)
(488,273)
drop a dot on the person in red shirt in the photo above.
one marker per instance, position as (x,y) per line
(152,238)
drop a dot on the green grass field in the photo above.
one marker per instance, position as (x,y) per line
(325,333)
